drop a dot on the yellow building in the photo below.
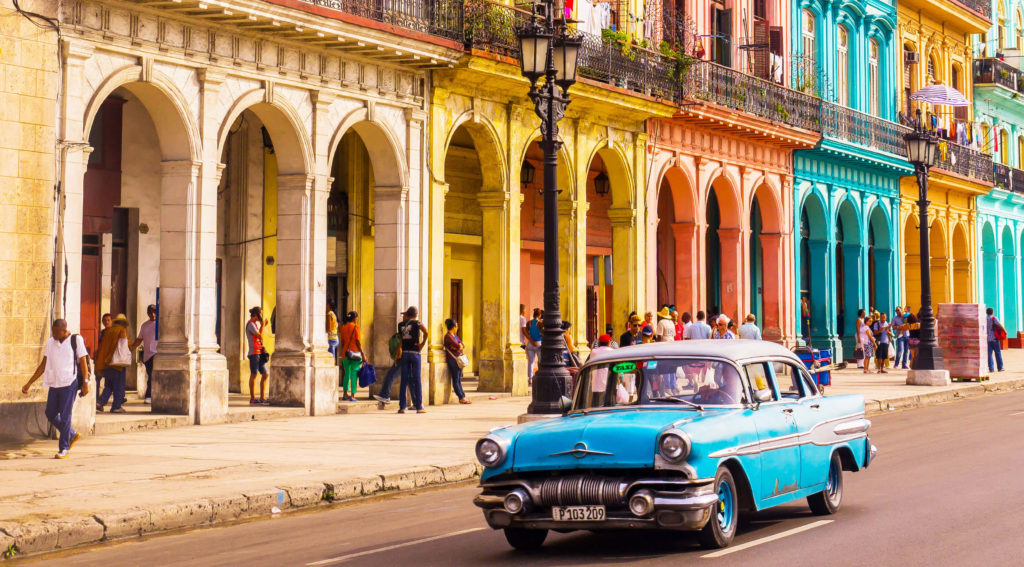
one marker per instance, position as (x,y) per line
(936,49)
(28,91)
(485,234)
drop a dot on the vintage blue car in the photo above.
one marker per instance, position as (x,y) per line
(674,436)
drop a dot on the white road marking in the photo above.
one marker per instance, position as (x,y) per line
(342,558)
(767,539)
(1018,413)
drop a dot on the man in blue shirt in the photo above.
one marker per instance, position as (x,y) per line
(902,339)
(533,337)
(699,330)
(994,346)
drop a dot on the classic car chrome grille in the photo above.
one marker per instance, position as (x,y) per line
(581,490)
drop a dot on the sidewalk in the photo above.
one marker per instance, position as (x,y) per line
(127,484)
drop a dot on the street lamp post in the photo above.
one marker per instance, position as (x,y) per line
(927,367)
(548,51)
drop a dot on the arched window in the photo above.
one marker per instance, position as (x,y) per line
(986,141)
(1004,150)
(843,72)
(1020,152)
(873,81)
(932,77)
(1019,27)
(1002,35)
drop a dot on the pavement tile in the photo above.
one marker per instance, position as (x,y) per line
(303,496)
(184,515)
(72,532)
(33,537)
(263,502)
(123,523)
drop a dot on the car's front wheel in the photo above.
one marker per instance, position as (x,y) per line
(827,501)
(721,528)
(524,539)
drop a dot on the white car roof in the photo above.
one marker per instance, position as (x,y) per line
(737,350)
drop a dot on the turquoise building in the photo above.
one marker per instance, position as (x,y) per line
(847,189)
(999,108)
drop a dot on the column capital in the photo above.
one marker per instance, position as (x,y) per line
(180,167)
(321,99)
(211,76)
(74,49)
(493,200)
(295,181)
(622,217)
(395,192)
(683,229)
(569,207)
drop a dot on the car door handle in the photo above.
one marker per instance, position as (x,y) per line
(815,406)
(787,410)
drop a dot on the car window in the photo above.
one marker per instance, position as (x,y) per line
(760,378)
(810,387)
(788,378)
(653,382)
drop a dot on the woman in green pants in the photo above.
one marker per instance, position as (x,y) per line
(352,352)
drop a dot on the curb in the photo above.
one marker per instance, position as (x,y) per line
(45,536)
(876,407)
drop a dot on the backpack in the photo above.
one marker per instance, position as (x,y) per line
(998,330)
(394,343)
(78,368)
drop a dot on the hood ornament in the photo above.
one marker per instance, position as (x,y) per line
(579,451)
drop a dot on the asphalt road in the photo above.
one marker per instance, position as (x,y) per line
(947,489)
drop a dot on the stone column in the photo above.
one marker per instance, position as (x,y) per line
(497,252)
(852,282)
(732,270)
(302,373)
(390,248)
(884,286)
(821,293)
(685,235)
(572,262)
(626,272)
(433,314)
(190,376)
(772,276)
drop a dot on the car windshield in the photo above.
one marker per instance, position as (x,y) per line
(677,381)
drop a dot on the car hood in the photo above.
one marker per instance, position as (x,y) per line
(603,439)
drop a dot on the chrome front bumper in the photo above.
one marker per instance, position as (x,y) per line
(676,505)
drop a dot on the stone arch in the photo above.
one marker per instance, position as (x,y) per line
(1010,282)
(177,131)
(880,260)
(487,141)
(939,261)
(386,153)
(292,144)
(619,173)
(961,265)
(812,259)
(848,214)
(990,265)
(676,238)
(566,178)
(766,258)
(849,252)
(912,256)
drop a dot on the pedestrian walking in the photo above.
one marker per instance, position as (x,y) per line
(147,338)
(257,355)
(522,326)
(351,344)
(996,334)
(65,372)
(395,350)
(414,336)
(332,328)
(881,331)
(533,338)
(749,330)
(698,330)
(899,327)
(454,354)
(913,325)
(858,351)
(112,357)
(666,330)
(722,329)
(632,334)
(867,342)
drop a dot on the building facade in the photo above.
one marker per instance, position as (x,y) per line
(721,184)
(936,49)
(847,188)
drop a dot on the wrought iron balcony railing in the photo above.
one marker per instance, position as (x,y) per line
(998,72)
(730,88)
(962,160)
(628,67)
(492,27)
(849,125)
(983,7)
(1008,178)
(442,18)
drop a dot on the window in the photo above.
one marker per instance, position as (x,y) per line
(1020,30)
(874,89)
(680,381)
(843,82)
(931,70)
(1002,35)
(1020,152)
(792,383)
(759,378)
(1004,150)
(809,49)
(986,144)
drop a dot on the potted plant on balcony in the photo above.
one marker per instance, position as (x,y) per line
(680,61)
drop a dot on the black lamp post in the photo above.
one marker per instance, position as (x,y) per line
(548,51)
(922,152)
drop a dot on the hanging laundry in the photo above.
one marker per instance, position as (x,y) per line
(568,9)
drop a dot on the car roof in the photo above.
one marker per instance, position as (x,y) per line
(736,350)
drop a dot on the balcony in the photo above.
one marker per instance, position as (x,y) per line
(848,125)
(730,88)
(964,161)
(1008,178)
(439,18)
(980,7)
(998,72)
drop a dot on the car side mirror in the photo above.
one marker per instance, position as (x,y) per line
(565,404)
(762,396)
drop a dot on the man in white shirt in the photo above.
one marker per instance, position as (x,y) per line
(666,330)
(699,330)
(62,353)
(147,338)
(749,329)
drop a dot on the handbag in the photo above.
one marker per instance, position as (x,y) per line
(122,356)
(366,375)
(462,360)
(858,353)
(353,355)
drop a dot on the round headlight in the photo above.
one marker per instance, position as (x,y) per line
(489,452)
(673,447)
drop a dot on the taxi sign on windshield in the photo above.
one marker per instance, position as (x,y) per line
(623,367)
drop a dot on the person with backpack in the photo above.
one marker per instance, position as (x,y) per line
(414,337)
(996,335)
(113,370)
(65,372)
(352,353)
(454,355)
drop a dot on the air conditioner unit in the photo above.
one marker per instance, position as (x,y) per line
(911,57)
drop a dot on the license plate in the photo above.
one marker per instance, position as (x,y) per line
(577,513)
